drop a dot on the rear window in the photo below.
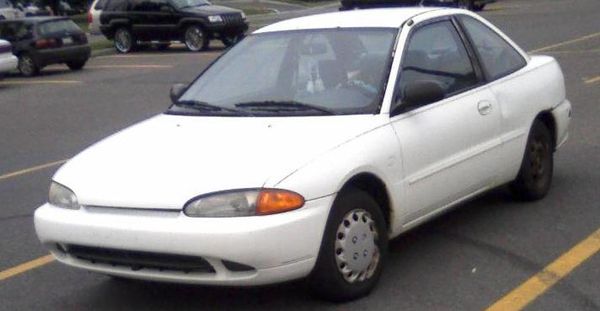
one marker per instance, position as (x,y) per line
(65,25)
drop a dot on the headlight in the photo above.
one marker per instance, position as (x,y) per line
(215,19)
(239,203)
(62,196)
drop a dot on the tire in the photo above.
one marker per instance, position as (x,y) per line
(124,40)
(195,38)
(231,40)
(478,7)
(465,4)
(27,66)
(535,175)
(76,64)
(337,276)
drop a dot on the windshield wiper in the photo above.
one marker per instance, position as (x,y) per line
(283,106)
(204,106)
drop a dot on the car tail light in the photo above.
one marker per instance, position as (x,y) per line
(46,43)
(90,17)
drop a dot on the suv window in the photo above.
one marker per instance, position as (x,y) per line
(498,58)
(436,53)
(115,5)
(148,5)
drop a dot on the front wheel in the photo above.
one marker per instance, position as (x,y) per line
(195,38)
(353,249)
(535,175)
(124,40)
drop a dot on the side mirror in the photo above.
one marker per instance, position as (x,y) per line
(419,93)
(423,92)
(176,91)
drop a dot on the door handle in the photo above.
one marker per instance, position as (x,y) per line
(484,107)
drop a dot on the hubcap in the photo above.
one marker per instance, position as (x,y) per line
(123,41)
(538,157)
(26,65)
(194,38)
(356,251)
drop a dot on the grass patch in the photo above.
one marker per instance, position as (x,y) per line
(101,44)
(309,4)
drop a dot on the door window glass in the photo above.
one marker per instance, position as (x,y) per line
(498,58)
(436,53)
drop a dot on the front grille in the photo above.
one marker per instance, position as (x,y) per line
(136,260)
(232,19)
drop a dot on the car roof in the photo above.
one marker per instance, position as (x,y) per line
(371,18)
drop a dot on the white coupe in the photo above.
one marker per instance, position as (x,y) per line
(308,145)
(8,62)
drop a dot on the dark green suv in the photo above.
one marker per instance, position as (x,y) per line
(193,22)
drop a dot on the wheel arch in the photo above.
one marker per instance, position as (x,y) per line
(548,120)
(374,187)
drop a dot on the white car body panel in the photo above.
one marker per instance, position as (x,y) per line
(94,26)
(129,183)
(8,62)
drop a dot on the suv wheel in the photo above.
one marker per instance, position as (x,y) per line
(124,40)
(27,66)
(465,4)
(229,40)
(195,38)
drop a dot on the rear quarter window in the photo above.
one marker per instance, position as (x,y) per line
(116,5)
(59,26)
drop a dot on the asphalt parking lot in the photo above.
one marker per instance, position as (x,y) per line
(491,253)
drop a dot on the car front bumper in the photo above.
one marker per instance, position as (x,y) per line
(277,247)
(8,63)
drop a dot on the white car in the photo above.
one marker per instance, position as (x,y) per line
(93,16)
(307,146)
(9,11)
(8,62)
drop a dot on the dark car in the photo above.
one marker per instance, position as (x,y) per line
(193,22)
(42,41)
(475,5)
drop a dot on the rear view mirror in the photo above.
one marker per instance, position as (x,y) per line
(422,92)
(176,91)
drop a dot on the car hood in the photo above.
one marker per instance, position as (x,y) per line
(165,161)
(211,10)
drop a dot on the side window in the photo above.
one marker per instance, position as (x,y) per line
(435,53)
(116,5)
(498,58)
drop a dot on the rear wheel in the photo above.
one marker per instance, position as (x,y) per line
(195,38)
(465,4)
(27,66)
(124,40)
(229,40)
(76,64)
(535,174)
(353,248)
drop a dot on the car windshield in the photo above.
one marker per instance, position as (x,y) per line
(180,4)
(58,26)
(308,72)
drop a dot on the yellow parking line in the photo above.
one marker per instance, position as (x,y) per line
(592,80)
(550,47)
(527,292)
(128,66)
(26,267)
(31,169)
(10,82)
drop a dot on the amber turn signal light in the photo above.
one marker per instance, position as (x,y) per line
(272,201)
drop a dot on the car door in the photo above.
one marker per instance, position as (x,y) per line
(449,147)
